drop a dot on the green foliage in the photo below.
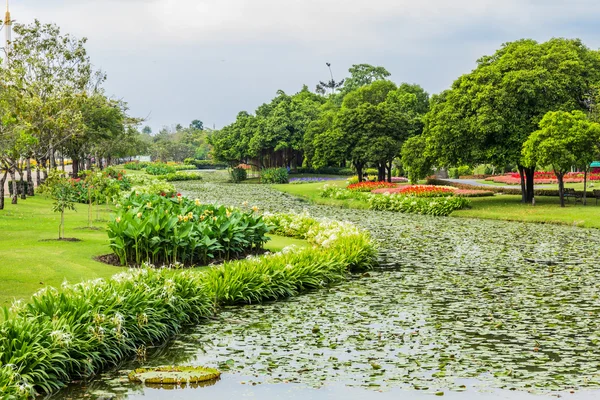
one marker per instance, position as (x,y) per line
(62,191)
(161,230)
(274,176)
(181,176)
(160,169)
(136,165)
(21,187)
(206,164)
(440,206)
(415,159)
(457,172)
(238,174)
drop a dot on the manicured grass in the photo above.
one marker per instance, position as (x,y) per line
(312,193)
(546,210)
(30,262)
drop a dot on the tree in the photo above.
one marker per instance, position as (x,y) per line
(563,141)
(147,130)
(197,124)
(331,84)
(63,193)
(363,75)
(415,160)
(489,113)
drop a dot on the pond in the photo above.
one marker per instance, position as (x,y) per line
(460,308)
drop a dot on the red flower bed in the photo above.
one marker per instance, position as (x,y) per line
(419,191)
(543,178)
(370,186)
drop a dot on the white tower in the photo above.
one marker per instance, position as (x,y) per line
(7,33)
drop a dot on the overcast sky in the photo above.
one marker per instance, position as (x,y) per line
(178,60)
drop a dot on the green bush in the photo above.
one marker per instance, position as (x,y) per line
(180,176)
(274,176)
(160,169)
(206,164)
(136,165)
(183,167)
(161,230)
(324,171)
(439,206)
(238,175)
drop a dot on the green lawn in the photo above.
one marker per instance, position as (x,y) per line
(28,262)
(312,192)
(546,210)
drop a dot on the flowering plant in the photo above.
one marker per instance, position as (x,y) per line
(369,186)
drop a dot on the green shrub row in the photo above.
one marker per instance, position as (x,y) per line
(324,171)
(206,164)
(161,230)
(274,176)
(136,165)
(438,206)
(160,169)
(180,176)
(82,329)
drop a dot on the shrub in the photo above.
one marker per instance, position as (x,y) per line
(161,230)
(206,164)
(181,176)
(136,165)
(274,176)
(338,193)
(442,206)
(324,171)
(160,169)
(473,193)
(370,186)
(238,175)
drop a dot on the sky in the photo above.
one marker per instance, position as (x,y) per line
(174,61)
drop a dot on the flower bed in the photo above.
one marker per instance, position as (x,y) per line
(543,178)
(369,186)
(419,191)
(74,333)
(297,181)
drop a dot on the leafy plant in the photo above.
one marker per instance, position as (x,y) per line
(238,174)
(160,169)
(274,176)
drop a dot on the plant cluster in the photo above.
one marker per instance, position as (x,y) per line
(145,184)
(206,164)
(425,191)
(274,176)
(370,186)
(441,206)
(180,176)
(78,331)
(238,174)
(160,169)
(164,231)
(136,165)
(298,181)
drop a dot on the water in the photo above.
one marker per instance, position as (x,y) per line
(467,308)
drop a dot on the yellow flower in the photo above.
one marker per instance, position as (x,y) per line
(228,213)
(149,205)
(180,217)
(197,201)
(118,219)
(245,204)
(139,215)
(202,217)
(129,207)
(255,209)
(214,218)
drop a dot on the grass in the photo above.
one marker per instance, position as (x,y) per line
(30,260)
(546,210)
(312,193)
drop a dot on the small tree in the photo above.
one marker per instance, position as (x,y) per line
(414,158)
(563,141)
(63,193)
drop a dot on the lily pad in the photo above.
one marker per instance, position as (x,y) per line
(174,375)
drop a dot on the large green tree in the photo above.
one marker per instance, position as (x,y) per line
(489,113)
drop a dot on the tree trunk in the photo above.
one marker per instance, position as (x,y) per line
(38,175)
(62,163)
(52,157)
(585,187)
(30,191)
(359,171)
(15,191)
(523,186)
(22,180)
(561,189)
(61,228)
(389,170)
(380,172)
(75,167)
(530,183)
(2,181)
